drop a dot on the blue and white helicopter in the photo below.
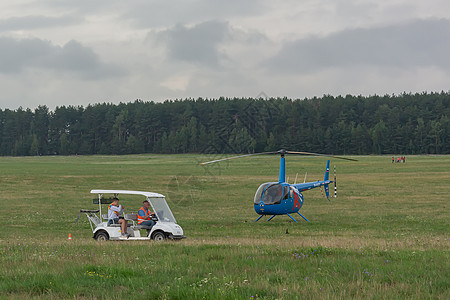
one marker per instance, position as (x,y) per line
(282,198)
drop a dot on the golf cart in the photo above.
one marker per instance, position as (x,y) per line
(165,226)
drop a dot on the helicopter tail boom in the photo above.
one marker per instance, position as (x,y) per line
(315,184)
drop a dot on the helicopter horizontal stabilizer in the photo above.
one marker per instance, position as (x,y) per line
(327,192)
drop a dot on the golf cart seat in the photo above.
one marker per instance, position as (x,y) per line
(137,227)
(105,217)
(131,216)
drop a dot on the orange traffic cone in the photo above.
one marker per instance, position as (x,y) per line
(70,237)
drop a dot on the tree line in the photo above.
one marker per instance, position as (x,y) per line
(391,124)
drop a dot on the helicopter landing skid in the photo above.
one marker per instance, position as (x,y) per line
(295,219)
(286,214)
(302,217)
(259,218)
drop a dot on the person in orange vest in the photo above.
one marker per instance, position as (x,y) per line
(115,216)
(145,215)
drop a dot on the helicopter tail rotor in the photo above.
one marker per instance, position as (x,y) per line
(335,186)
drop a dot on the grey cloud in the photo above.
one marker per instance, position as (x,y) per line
(147,14)
(198,44)
(157,13)
(34,22)
(418,43)
(19,55)
(83,6)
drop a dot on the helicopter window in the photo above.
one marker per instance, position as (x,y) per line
(273,194)
(285,192)
(259,192)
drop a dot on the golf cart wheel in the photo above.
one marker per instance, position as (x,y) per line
(158,236)
(101,236)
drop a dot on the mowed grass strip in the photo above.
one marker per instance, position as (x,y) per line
(385,236)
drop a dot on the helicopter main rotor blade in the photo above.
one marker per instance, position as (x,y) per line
(282,152)
(312,153)
(233,157)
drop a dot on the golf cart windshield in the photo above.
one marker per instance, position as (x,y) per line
(162,210)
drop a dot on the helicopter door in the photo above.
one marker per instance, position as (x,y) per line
(273,194)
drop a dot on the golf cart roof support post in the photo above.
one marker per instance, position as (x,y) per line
(90,223)
(100,204)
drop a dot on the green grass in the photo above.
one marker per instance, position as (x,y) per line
(385,236)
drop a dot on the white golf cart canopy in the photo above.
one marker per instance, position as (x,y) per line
(146,194)
(157,202)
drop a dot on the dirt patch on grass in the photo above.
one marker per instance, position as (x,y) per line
(342,242)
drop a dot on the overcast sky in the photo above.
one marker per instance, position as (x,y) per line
(58,52)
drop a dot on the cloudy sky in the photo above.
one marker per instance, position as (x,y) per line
(58,52)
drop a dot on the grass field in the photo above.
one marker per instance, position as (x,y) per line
(386,235)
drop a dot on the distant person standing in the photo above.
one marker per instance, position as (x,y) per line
(398,159)
(393,159)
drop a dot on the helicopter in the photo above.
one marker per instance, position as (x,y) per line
(283,198)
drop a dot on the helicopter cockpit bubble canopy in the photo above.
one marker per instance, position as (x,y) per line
(271,193)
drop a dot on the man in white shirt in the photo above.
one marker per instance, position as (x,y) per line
(115,216)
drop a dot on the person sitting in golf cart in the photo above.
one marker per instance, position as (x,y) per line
(115,212)
(144,215)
